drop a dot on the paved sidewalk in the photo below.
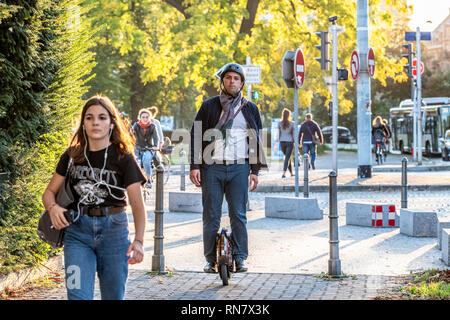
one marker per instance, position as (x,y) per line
(187,285)
(288,258)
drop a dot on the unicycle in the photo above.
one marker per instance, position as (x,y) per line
(224,255)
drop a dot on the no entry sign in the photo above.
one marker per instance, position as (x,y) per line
(414,67)
(354,64)
(371,62)
(299,68)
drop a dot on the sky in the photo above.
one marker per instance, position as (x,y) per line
(434,10)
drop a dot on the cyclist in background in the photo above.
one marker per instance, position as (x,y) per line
(147,142)
(379,131)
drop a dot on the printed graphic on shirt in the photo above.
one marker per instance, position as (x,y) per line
(87,186)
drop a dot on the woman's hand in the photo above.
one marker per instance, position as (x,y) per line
(136,252)
(57,217)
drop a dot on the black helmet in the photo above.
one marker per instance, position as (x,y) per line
(233,67)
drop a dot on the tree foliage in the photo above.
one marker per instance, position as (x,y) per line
(174,47)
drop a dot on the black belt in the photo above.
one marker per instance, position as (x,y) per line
(231,162)
(100,211)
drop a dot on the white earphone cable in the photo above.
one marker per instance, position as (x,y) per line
(100,181)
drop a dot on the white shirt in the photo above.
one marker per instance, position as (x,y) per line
(236,146)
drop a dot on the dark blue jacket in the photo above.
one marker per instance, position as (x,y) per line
(309,128)
(208,115)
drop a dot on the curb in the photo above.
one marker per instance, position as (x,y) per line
(349,188)
(412,169)
(177,171)
(15,280)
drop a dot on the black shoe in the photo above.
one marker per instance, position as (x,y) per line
(240,266)
(210,267)
(283,176)
(313,166)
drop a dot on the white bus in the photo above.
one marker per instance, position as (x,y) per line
(436,120)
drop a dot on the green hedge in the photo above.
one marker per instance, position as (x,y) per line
(44,64)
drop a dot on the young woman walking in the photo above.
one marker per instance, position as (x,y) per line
(102,172)
(286,138)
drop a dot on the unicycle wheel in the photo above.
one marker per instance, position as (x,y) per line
(224,274)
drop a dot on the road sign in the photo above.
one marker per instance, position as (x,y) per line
(299,68)
(414,65)
(252,74)
(354,64)
(371,62)
(411,36)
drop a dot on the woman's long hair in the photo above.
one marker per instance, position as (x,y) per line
(285,118)
(120,137)
(377,122)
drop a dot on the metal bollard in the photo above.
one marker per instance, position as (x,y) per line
(158,256)
(305,175)
(183,171)
(404,201)
(334,263)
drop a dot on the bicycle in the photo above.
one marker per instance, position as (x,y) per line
(164,160)
(224,247)
(146,190)
(379,151)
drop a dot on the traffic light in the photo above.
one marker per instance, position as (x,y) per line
(330,109)
(255,95)
(323,47)
(287,68)
(342,74)
(408,56)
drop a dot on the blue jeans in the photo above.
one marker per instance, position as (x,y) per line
(96,244)
(311,148)
(144,159)
(286,148)
(231,181)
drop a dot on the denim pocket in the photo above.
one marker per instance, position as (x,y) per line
(119,219)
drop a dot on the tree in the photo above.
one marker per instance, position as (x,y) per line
(211,33)
(164,50)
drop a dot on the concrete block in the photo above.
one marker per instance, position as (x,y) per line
(368,214)
(292,208)
(441,225)
(446,246)
(418,222)
(189,202)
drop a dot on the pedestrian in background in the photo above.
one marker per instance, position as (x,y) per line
(286,139)
(154,110)
(389,135)
(102,169)
(227,169)
(309,136)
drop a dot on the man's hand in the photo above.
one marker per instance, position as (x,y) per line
(195,177)
(253,182)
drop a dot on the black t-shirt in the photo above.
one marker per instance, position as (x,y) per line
(117,173)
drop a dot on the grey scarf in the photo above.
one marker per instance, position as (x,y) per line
(228,104)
